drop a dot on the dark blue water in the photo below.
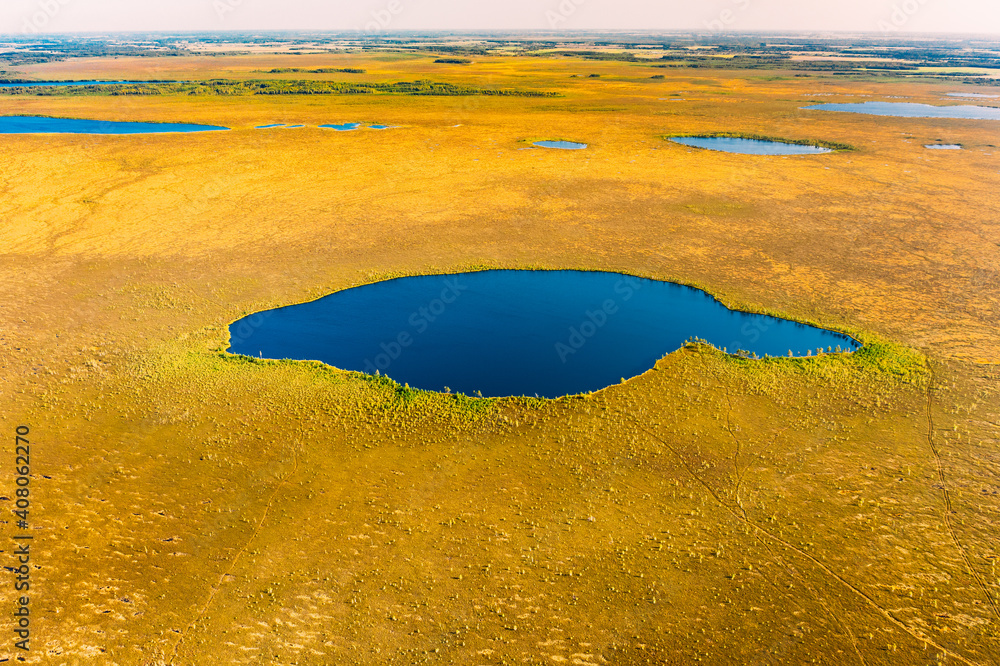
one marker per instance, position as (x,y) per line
(549,333)
(379,126)
(45,125)
(346,127)
(35,84)
(269,126)
(562,145)
(910,110)
(748,146)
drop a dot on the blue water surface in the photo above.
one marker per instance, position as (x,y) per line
(36,84)
(345,127)
(911,110)
(508,332)
(748,146)
(563,145)
(46,125)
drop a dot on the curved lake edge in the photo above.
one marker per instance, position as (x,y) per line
(177,128)
(832,146)
(866,341)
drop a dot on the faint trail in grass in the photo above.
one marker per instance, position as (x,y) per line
(776,558)
(236,558)
(737,474)
(948,510)
(914,633)
(818,597)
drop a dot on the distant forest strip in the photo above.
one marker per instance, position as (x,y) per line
(226,87)
(767,59)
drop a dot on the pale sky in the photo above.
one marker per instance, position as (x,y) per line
(879,16)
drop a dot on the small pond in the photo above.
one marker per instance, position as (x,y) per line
(911,110)
(46,125)
(511,332)
(943,146)
(561,145)
(345,127)
(749,146)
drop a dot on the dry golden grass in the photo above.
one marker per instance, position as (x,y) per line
(202,509)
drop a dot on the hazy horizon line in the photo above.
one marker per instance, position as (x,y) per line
(500,31)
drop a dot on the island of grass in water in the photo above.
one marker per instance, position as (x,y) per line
(749,146)
(509,332)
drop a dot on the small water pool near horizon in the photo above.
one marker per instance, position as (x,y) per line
(561,145)
(344,127)
(36,84)
(912,110)
(515,332)
(749,146)
(943,146)
(972,95)
(49,125)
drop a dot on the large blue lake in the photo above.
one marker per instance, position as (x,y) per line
(506,332)
(911,110)
(748,146)
(46,125)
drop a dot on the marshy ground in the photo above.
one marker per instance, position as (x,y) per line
(192,507)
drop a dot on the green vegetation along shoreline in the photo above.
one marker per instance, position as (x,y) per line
(228,87)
